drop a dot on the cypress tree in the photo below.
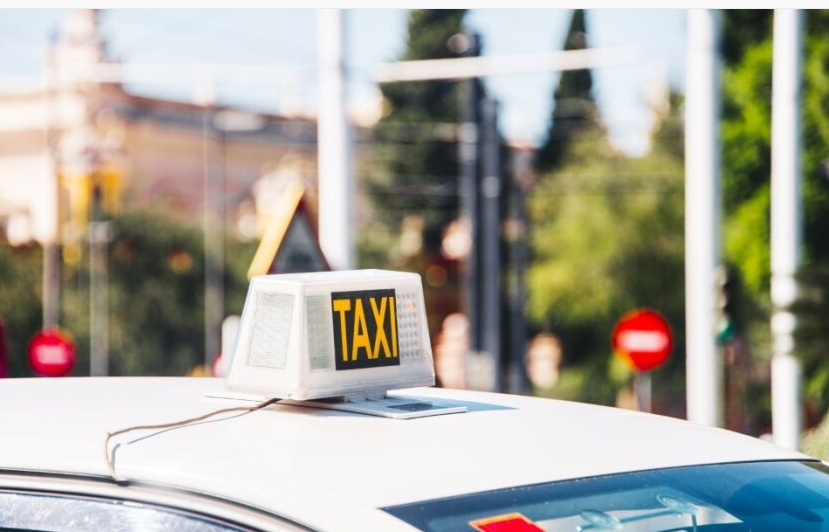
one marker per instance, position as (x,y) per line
(574,109)
(417,154)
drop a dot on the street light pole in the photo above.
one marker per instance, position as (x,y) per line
(336,187)
(52,248)
(469,197)
(213,220)
(786,223)
(702,218)
(490,189)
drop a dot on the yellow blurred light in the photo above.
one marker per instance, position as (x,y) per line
(180,262)
(72,254)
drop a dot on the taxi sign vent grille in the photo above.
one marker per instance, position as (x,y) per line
(320,336)
(408,318)
(271,330)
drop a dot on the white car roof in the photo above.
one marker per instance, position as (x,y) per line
(333,470)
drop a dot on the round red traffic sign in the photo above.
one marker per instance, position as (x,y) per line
(642,339)
(52,353)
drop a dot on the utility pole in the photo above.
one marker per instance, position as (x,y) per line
(213,220)
(516,378)
(786,224)
(480,310)
(99,238)
(702,218)
(52,248)
(489,244)
(336,187)
(468,156)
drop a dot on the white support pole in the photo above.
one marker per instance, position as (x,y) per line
(785,224)
(336,190)
(702,218)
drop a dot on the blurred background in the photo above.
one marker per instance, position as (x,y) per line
(146,157)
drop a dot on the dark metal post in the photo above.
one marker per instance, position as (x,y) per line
(468,155)
(489,242)
(99,238)
(52,249)
(213,243)
(517,381)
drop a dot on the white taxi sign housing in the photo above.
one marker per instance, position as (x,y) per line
(329,334)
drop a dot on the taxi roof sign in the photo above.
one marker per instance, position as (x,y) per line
(328,334)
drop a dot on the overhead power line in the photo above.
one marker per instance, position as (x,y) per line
(482,66)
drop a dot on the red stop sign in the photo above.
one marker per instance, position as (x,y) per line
(52,353)
(642,339)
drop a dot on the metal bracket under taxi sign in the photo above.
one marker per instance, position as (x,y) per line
(336,340)
(365,329)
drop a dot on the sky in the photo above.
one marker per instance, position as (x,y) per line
(287,40)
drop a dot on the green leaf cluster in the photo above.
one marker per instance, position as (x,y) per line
(21,281)
(746,177)
(746,159)
(574,108)
(155,286)
(607,237)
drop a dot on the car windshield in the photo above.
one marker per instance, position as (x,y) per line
(755,496)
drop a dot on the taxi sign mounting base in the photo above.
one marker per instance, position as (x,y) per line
(388,406)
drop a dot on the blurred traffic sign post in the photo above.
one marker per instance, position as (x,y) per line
(642,339)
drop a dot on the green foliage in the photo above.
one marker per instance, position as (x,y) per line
(238,256)
(574,109)
(742,28)
(606,234)
(606,237)
(746,135)
(20,303)
(811,339)
(816,442)
(747,235)
(746,127)
(156,295)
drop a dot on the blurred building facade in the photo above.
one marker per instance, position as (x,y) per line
(80,146)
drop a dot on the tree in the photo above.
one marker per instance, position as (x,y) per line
(412,180)
(742,28)
(156,295)
(418,164)
(746,135)
(574,109)
(746,158)
(20,303)
(607,237)
(589,214)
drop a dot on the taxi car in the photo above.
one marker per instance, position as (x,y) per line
(270,449)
